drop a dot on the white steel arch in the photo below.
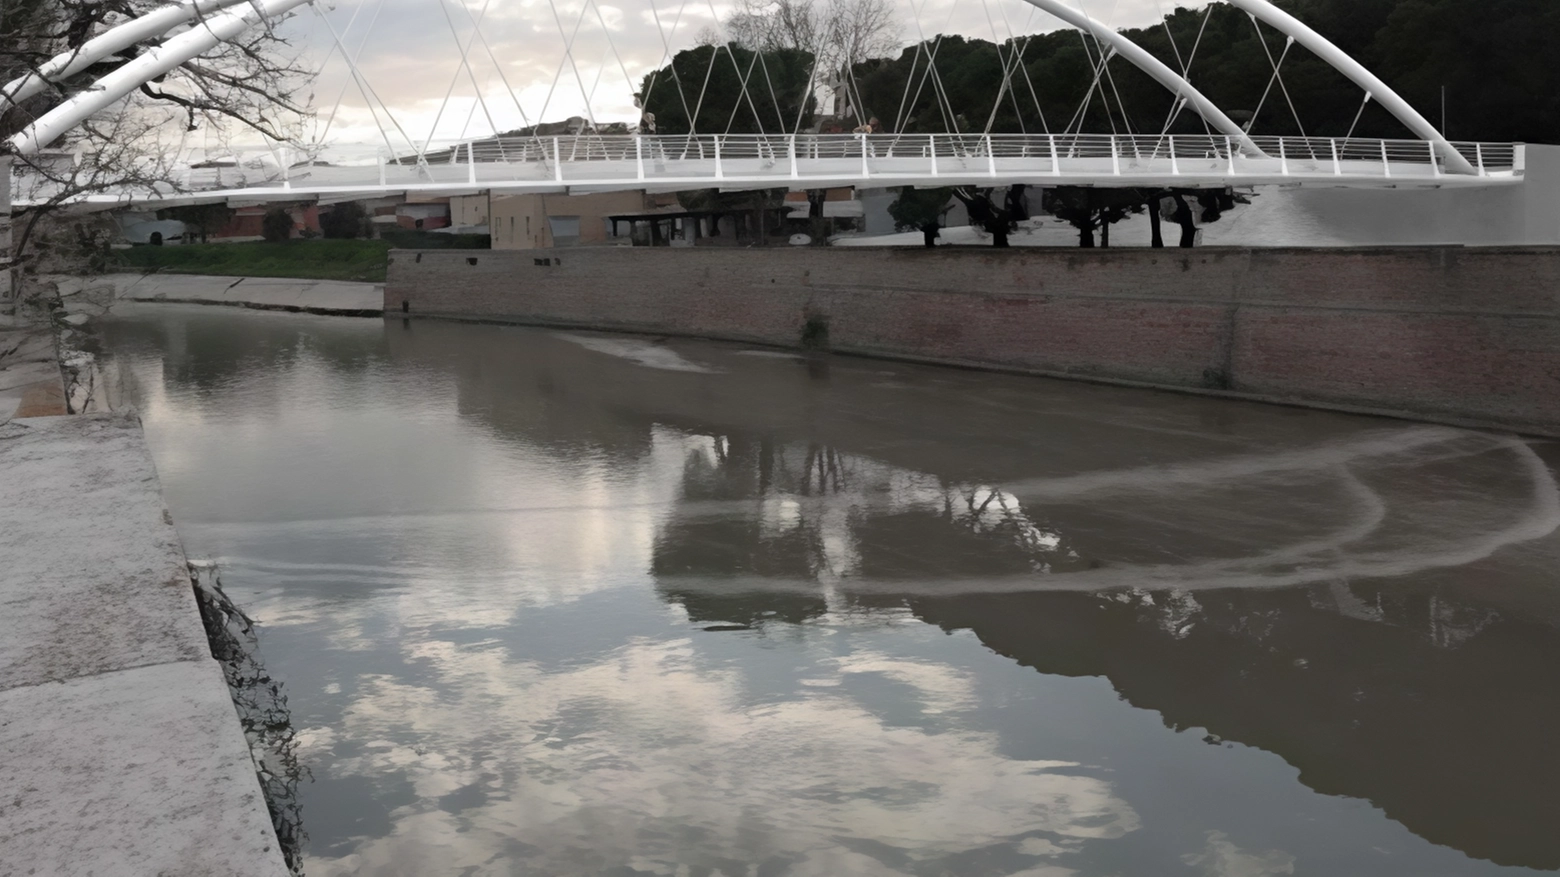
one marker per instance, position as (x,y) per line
(1359,75)
(153,63)
(182,47)
(1140,57)
(118,38)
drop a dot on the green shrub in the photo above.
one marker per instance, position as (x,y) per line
(344,221)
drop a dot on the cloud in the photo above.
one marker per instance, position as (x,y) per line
(409,54)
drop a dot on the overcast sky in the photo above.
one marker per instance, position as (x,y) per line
(409,54)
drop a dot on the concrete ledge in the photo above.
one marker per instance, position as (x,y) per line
(138,772)
(94,577)
(333,297)
(30,381)
(122,750)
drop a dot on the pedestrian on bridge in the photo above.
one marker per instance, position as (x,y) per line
(873,126)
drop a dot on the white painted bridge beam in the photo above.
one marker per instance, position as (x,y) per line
(116,39)
(155,62)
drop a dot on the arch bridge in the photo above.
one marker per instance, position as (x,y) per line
(1226,155)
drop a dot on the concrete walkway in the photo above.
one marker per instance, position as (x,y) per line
(271,293)
(122,751)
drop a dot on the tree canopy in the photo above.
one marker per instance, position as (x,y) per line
(1492,57)
(701,92)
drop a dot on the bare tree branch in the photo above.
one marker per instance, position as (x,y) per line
(253,82)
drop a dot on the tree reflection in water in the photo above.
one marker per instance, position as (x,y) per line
(1434,707)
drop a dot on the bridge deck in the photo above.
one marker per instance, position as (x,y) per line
(606,163)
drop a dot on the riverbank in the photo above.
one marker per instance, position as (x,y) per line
(1465,336)
(123,751)
(299,295)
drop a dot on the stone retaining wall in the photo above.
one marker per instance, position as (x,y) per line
(1468,335)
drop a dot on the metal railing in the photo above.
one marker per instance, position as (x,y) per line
(762,160)
(1310,153)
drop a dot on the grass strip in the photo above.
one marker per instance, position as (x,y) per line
(360,260)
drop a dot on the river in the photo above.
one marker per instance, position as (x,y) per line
(560,603)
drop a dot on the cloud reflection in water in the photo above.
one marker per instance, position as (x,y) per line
(489,561)
(653,759)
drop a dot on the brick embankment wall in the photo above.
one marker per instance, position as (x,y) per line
(1441,333)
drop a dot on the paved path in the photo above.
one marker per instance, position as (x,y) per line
(274,293)
(122,752)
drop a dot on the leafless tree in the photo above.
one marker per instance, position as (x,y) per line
(769,25)
(860,30)
(253,83)
(839,32)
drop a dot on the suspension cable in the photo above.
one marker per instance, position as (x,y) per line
(606,31)
(742,81)
(855,89)
(773,98)
(1275,78)
(812,76)
(1356,121)
(931,61)
(568,53)
(1177,101)
(1016,52)
(525,120)
(1002,87)
(937,84)
(900,115)
(471,113)
(1288,44)
(698,105)
(1013,59)
(368,89)
(1028,39)
(568,57)
(351,66)
(1099,73)
(942,94)
(944,108)
(454,78)
(320,138)
(666,59)
(1110,76)
(736,68)
(1193,57)
(465,62)
(1088,97)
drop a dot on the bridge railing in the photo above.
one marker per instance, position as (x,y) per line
(1314,154)
(1488,156)
(813,160)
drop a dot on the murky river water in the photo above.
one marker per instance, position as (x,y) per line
(566,604)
